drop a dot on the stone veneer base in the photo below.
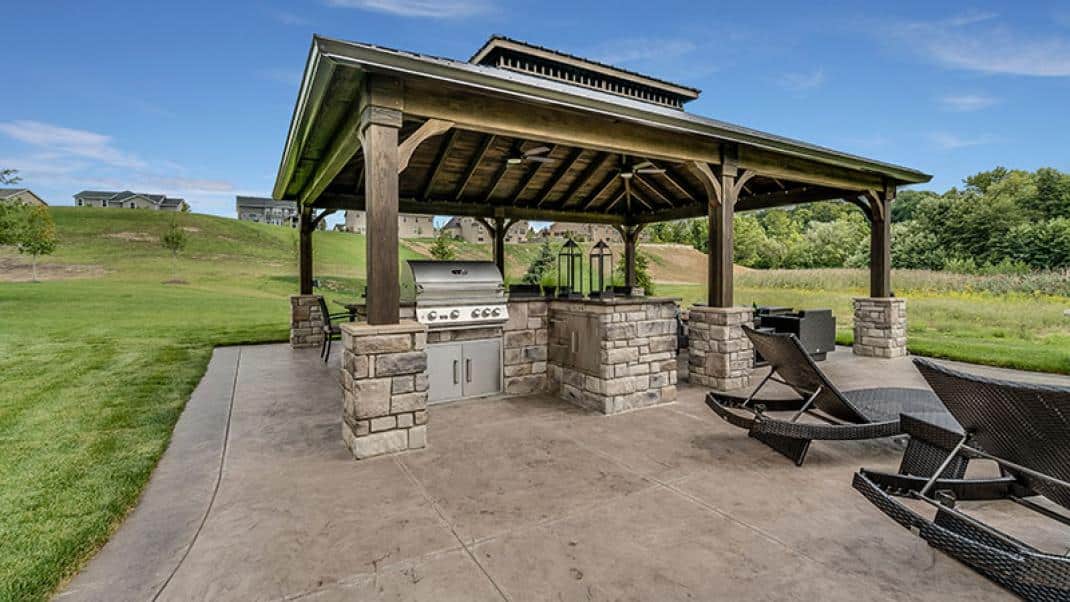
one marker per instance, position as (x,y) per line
(385,387)
(306,321)
(720,354)
(637,354)
(880,327)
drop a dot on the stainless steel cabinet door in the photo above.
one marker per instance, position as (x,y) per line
(482,367)
(444,372)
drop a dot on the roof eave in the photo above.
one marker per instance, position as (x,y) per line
(326,53)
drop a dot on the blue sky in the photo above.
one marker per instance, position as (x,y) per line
(193,99)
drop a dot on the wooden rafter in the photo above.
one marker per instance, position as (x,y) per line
(440,159)
(555,179)
(597,162)
(616,200)
(608,182)
(654,189)
(470,170)
(498,177)
(673,180)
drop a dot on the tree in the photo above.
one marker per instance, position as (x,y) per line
(12,216)
(539,266)
(37,234)
(441,249)
(174,239)
(642,272)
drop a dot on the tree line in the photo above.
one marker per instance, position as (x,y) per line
(999,221)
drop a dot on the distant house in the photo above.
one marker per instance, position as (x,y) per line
(409,225)
(129,200)
(469,229)
(267,211)
(21,195)
(583,232)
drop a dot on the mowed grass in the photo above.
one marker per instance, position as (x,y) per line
(96,371)
(945,318)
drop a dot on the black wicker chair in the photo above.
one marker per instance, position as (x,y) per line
(1025,429)
(849,415)
(330,329)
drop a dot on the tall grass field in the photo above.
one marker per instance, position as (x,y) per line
(98,360)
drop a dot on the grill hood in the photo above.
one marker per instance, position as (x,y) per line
(456,282)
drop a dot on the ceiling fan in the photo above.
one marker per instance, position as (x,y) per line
(534,154)
(644,167)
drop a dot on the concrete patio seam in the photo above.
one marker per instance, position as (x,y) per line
(442,515)
(218,480)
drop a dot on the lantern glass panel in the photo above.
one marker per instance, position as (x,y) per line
(600,270)
(569,270)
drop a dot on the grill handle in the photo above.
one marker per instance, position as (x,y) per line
(572,342)
(468,370)
(456,377)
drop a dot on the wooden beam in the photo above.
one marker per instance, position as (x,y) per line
(469,209)
(679,186)
(381,242)
(555,179)
(661,195)
(710,182)
(514,118)
(498,177)
(880,244)
(473,166)
(796,169)
(611,178)
(795,196)
(319,218)
(436,169)
(428,129)
(532,172)
(304,251)
(345,144)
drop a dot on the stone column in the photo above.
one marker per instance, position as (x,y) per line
(880,327)
(306,321)
(385,383)
(720,354)
(525,338)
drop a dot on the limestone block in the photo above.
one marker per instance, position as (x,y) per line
(417,437)
(390,364)
(368,398)
(376,444)
(383,423)
(408,402)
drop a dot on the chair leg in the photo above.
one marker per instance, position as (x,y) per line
(323,348)
(793,449)
(327,344)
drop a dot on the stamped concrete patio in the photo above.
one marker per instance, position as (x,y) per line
(523,498)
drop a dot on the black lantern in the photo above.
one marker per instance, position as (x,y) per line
(600,255)
(569,261)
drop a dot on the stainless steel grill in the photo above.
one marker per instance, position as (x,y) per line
(458,294)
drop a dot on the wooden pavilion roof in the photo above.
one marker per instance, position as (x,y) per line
(496,113)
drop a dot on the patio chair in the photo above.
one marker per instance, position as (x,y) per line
(848,415)
(330,330)
(1025,430)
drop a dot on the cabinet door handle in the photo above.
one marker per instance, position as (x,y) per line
(468,370)
(456,377)
(572,341)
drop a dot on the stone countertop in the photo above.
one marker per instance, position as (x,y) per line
(618,300)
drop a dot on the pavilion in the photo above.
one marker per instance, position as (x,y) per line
(388,131)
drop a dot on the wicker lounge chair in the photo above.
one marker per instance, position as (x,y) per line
(848,415)
(1025,429)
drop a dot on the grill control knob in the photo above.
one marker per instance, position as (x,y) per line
(475,313)
(431,315)
(486,313)
(497,311)
(455,314)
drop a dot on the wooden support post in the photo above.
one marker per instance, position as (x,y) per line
(380,121)
(499,244)
(880,242)
(722,190)
(305,227)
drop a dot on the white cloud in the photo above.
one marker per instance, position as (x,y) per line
(81,143)
(438,9)
(967,102)
(288,18)
(984,43)
(948,141)
(801,82)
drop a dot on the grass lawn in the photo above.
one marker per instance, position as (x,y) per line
(96,370)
